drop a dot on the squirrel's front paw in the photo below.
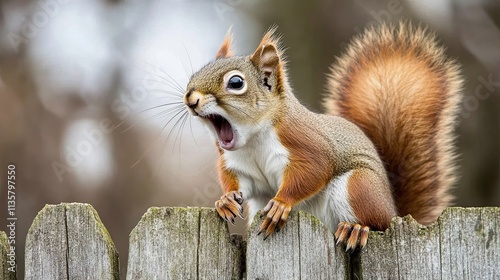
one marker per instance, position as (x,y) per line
(276,215)
(352,234)
(230,205)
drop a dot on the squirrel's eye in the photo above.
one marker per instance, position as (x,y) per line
(235,82)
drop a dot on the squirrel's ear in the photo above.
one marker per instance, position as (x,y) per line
(266,57)
(226,49)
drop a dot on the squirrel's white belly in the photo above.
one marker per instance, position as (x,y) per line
(331,205)
(259,166)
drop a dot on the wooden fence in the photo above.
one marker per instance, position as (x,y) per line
(68,241)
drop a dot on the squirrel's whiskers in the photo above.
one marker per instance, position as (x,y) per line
(172,114)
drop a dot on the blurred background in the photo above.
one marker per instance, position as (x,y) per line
(89,94)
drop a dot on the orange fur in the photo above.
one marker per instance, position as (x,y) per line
(226,49)
(307,173)
(366,200)
(398,86)
(227,178)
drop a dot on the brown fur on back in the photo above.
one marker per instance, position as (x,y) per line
(398,86)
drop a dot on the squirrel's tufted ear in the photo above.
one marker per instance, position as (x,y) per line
(226,49)
(267,55)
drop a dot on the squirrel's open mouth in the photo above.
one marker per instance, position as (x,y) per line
(224,131)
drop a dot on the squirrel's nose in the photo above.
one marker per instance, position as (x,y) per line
(193,105)
(192,99)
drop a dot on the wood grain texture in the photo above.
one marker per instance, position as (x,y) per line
(183,243)
(462,244)
(470,243)
(303,249)
(277,257)
(406,250)
(4,258)
(68,241)
(319,257)
(46,252)
(89,243)
(220,255)
(164,244)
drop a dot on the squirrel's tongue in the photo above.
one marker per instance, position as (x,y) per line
(225,131)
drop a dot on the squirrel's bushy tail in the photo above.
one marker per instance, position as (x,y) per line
(396,83)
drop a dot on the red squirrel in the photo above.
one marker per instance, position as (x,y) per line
(383,148)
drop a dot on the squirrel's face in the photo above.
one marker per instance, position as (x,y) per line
(235,96)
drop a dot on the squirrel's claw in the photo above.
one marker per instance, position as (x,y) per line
(229,206)
(353,234)
(276,213)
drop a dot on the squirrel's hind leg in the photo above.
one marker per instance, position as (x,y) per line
(371,201)
(353,235)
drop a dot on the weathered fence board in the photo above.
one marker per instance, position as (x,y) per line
(47,245)
(68,241)
(164,244)
(406,250)
(180,243)
(4,258)
(277,257)
(304,248)
(319,257)
(463,244)
(89,243)
(470,243)
(220,256)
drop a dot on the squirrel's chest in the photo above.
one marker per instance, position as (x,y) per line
(260,164)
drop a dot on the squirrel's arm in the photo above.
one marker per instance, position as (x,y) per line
(309,170)
(230,204)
